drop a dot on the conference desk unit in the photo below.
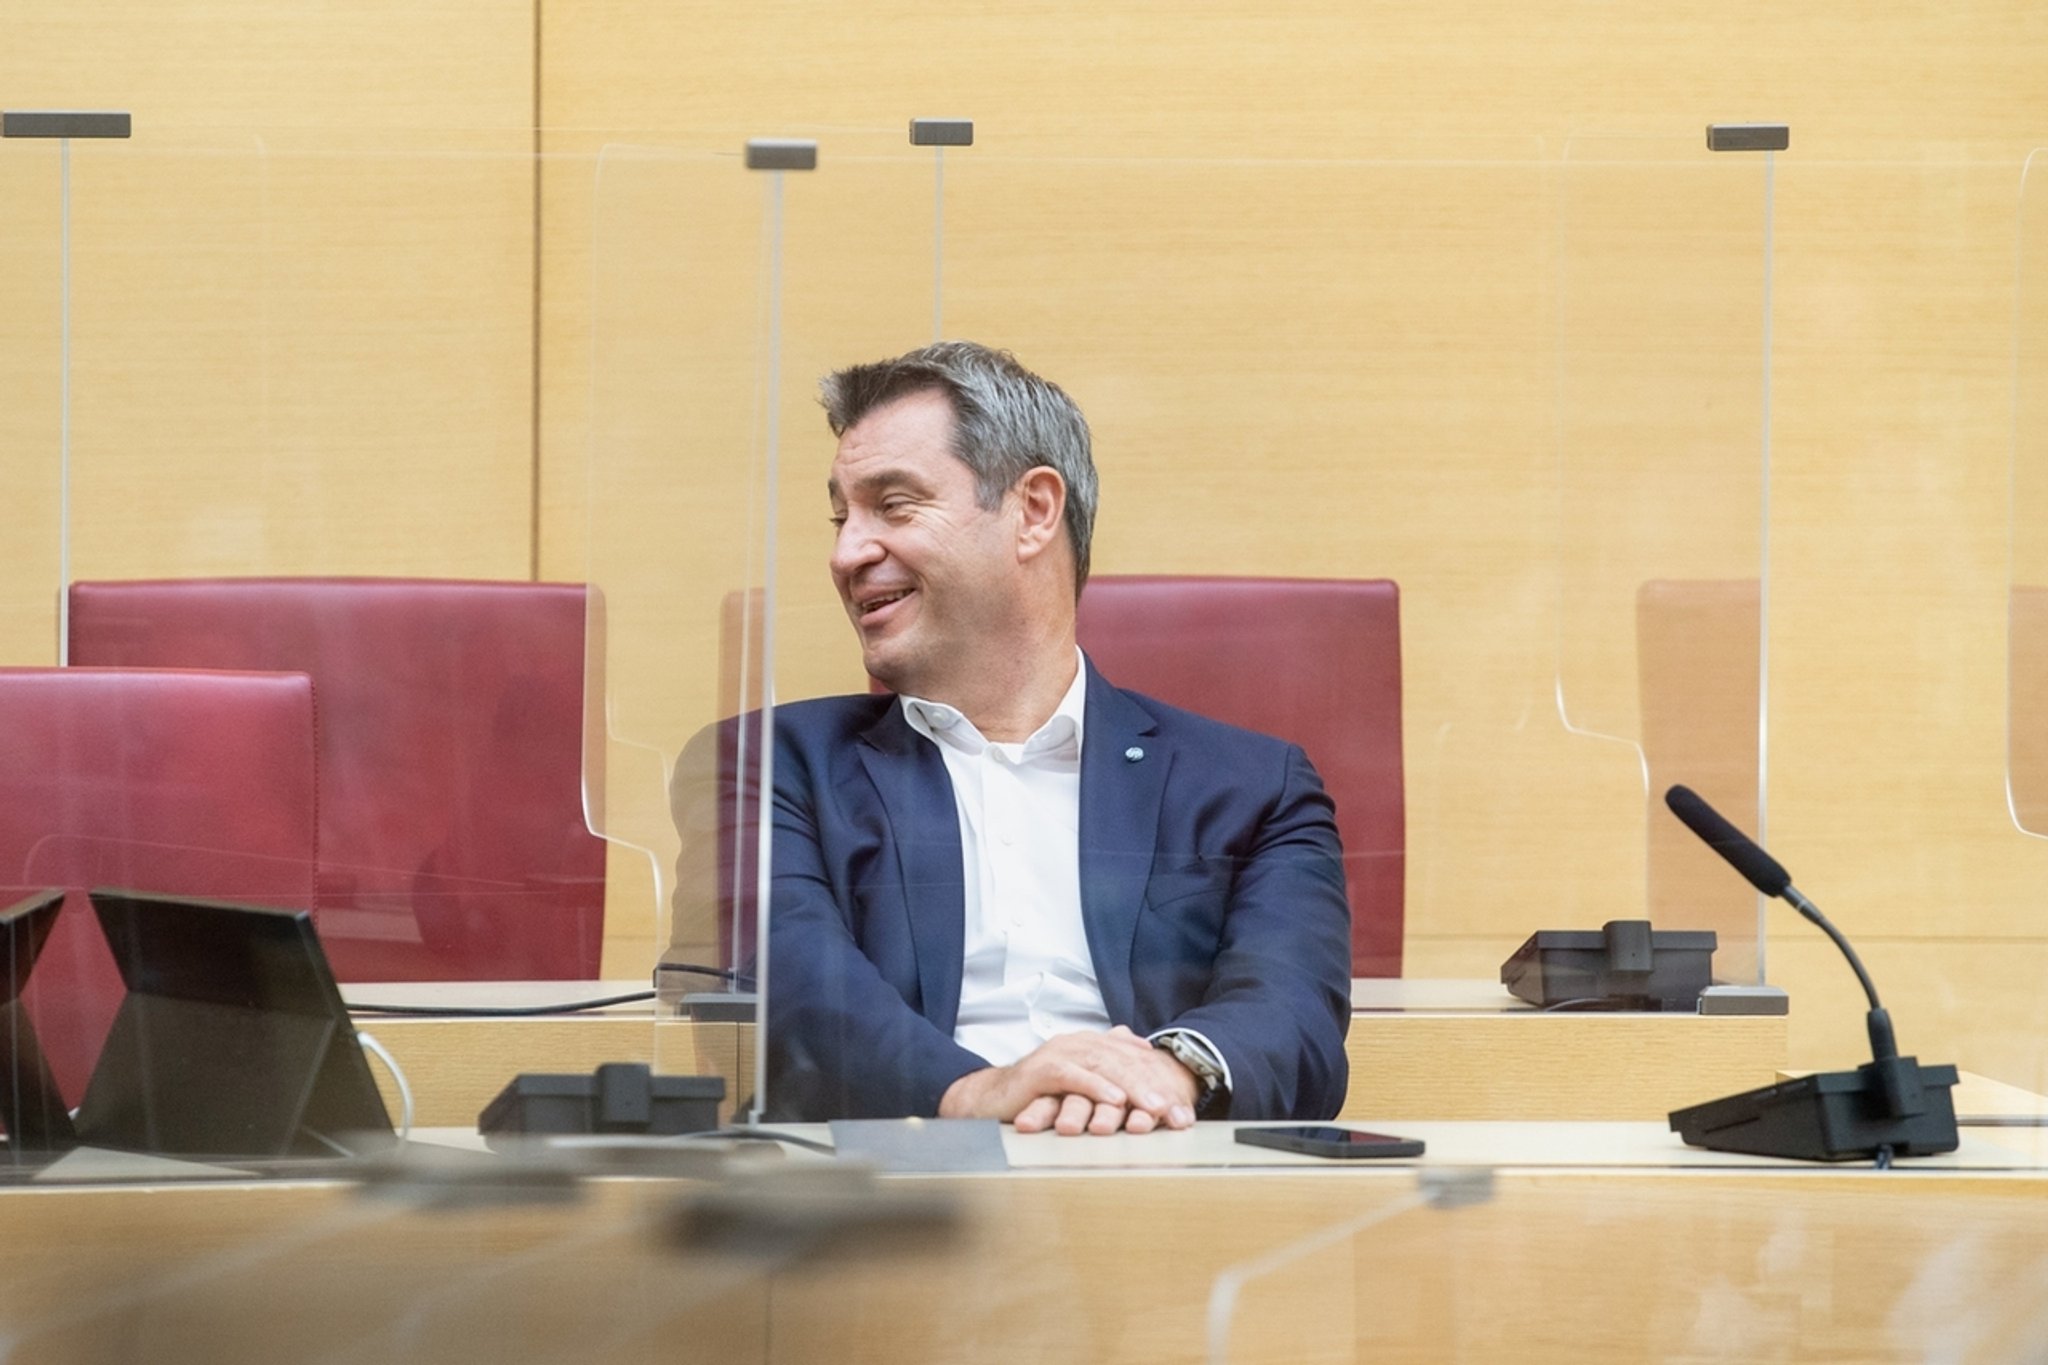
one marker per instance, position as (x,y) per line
(1418,1050)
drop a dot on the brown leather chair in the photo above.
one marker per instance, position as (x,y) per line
(1314,661)
(2027,707)
(180,783)
(1698,655)
(452,832)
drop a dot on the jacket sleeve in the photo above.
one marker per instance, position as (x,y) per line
(1278,1001)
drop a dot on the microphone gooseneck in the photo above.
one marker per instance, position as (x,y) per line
(1889,1105)
(1769,876)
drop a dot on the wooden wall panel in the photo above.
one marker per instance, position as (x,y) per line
(302,294)
(30,418)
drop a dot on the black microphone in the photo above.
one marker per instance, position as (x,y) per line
(1902,1084)
(1765,873)
(1769,876)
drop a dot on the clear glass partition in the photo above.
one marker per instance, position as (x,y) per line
(32,422)
(2027,641)
(723,290)
(271,446)
(1663,433)
(1525,391)
(686,259)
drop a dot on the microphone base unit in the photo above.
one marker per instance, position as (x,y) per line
(719,1007)
(1830,1116)
(1624,963)
(618,1097)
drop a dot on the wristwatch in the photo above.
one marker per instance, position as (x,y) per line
(1198,1057)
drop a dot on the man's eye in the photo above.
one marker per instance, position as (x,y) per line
(838,520)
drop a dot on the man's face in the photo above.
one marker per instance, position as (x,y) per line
(929,577)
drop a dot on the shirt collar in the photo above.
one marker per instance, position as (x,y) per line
(1059,736)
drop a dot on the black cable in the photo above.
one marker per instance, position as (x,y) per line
(740,979)
(1630,1004)
(498,1011)
(573,1007)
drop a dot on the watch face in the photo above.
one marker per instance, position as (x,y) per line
(1191,1055)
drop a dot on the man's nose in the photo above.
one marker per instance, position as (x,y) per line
(853,549)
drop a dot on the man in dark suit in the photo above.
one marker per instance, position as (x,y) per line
(1009,889)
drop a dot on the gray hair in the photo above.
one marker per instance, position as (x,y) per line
(1006,422)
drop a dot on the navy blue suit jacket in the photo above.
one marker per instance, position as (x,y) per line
(1211,886)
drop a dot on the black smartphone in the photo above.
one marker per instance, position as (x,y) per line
(1323,1139)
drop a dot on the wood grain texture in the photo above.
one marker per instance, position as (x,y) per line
(1417,1066)
(1557,1066)
(1337,1265)
(302,295)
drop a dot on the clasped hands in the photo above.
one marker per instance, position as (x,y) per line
(1081,1083)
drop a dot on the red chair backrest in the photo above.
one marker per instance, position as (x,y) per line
(452,830)
(1314,661)
(181,783)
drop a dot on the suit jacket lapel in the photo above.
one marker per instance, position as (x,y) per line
(1123,781)
(924,825)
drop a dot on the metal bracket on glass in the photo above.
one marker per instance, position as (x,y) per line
(1748,137)
(942,132)
(939,134)
(782,154)
(65,123)
(1454,1187)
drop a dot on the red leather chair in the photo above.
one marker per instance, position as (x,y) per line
(452,832)
(1315,661)
(182,783)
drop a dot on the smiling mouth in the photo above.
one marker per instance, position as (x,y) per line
(874,604)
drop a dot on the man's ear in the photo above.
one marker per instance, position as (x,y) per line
(1042,509)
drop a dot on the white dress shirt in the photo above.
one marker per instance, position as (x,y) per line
(1027,974)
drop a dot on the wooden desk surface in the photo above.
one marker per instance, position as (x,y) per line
(1520,1145)
(1523,1145)
(1434,1060)
(1552,1262)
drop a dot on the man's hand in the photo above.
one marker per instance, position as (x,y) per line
(1081,1083)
